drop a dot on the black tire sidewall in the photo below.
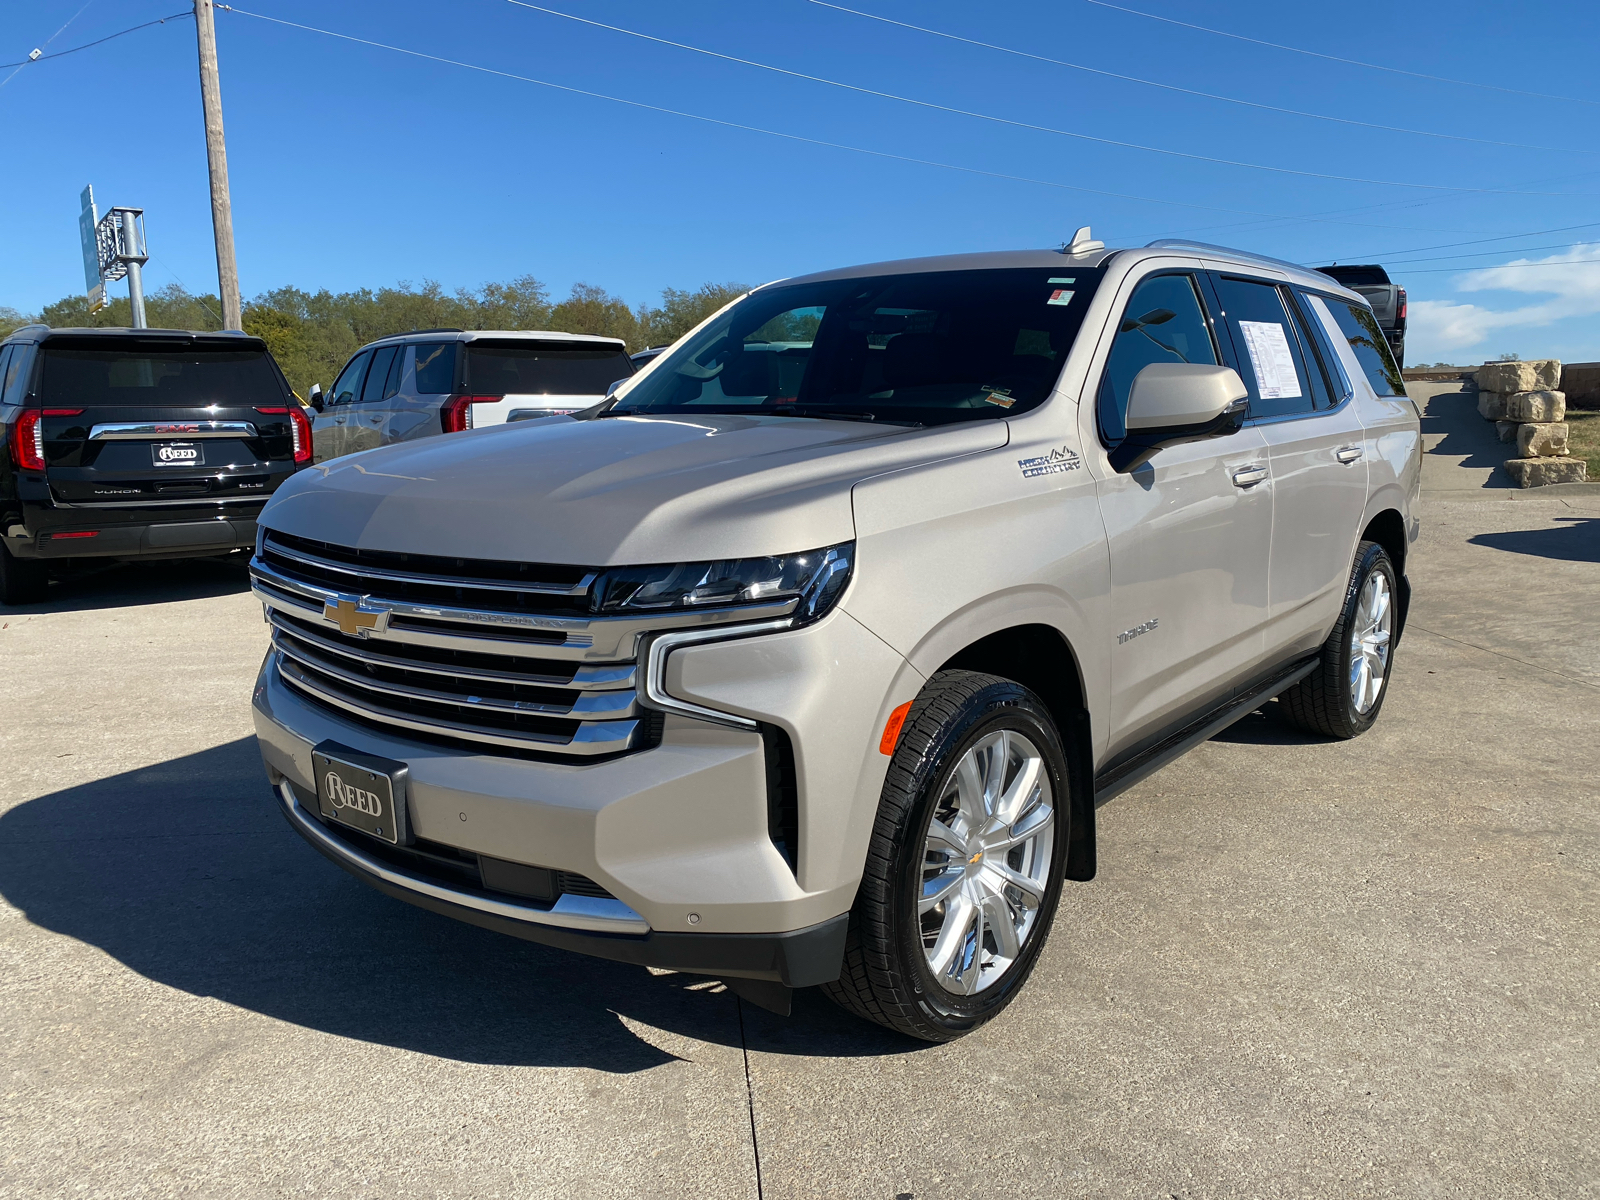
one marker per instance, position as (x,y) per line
(1374,558)
(1001,705)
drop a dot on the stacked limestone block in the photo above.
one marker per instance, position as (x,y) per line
(1522,400)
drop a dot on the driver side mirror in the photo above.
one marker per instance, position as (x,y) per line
(314,397)
(612,390)
(1179,402)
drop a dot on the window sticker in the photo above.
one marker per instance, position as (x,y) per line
(1072,280)
(1060,297)
(998,395)
(1270,357)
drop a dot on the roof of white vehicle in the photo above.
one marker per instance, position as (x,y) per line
(993,260)
(500,335)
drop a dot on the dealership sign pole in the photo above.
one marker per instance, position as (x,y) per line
(113,247)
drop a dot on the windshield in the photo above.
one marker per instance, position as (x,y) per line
(927,348)
(190,376)
(543,370)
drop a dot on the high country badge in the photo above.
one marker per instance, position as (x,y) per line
(1050,464)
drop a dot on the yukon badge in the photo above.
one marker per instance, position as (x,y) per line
(354,616)
(1056,461)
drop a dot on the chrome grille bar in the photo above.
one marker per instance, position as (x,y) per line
(364,573)
(589,739)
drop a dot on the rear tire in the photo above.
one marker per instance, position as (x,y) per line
(1343,696)
(964,870)
(22,580)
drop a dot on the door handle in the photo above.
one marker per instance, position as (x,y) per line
(1248,477)
(1347,454)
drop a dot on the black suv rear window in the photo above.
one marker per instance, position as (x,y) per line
(543,369)
(158,378)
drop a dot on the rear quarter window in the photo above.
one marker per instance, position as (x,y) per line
(1371,348)
(436,368)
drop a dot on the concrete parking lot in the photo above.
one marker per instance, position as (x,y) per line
(1306,968)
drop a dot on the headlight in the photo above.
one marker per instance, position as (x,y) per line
(816,578)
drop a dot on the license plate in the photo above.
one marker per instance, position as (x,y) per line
(178,454)
(361,790)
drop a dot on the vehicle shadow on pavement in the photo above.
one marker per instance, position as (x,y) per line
(1265,727)
(185,872)
(1576,539)
(121,584)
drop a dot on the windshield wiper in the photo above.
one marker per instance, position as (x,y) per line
(824,414)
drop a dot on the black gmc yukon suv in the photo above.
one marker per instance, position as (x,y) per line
(136,443)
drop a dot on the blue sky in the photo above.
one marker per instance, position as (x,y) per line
(353,165)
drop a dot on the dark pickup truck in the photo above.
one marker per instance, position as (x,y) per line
(1388,301)
(136,443)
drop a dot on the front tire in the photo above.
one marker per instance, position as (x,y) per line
(964,871)
(1343,696)
(22,580)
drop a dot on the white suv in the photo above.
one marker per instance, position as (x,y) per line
(807,658)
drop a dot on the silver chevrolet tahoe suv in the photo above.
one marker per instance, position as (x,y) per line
(807,658)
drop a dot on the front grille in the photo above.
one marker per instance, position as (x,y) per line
(493,657)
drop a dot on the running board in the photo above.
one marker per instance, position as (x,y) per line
(1147,762)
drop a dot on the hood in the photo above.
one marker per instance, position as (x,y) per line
(613,491)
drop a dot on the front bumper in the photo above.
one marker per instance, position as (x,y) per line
(604,929)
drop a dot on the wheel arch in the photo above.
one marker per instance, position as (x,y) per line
(1388,528)
(1041,658)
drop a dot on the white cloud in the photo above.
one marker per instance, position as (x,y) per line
(1439,328)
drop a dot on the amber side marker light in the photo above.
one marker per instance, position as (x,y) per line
(891,731)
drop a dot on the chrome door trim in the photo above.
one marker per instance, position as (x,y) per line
(128,431)
(569,912)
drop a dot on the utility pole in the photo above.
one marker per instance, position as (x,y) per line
(217,158)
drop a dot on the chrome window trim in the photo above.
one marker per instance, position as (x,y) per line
(125,431)
(569,912)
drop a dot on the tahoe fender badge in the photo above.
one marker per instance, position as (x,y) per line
(1130,634)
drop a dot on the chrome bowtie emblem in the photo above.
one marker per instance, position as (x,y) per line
(354,617)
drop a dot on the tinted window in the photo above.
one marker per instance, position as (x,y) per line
(382,363)
(348,386)
(927,348)
(1163,323)
(1265,345)
(158,376)
(1358,276)
(1316,326)
(542,369)
(1358,324)
(5,362)
(436,368)
(1315,354)
(15,382)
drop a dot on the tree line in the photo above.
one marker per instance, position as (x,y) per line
(312,334)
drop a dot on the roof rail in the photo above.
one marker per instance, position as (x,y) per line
(435,329)
(1186,244)
(32,325)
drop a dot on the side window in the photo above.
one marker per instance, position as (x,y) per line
(1163,323)
(1318,322)
(1268,351)
(1314,353)
(1371,348)
(15,378)
(382,361)
(5,359)
(396,372)
(348,386)
(436,368)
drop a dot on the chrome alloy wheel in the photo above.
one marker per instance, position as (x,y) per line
(1369,642)
(986,862)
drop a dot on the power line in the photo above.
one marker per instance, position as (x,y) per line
(48,40)
(1481,241)
(1400,262)
(1170,87)
(1574,262)
(99,41)
(1335,58)
(1087,137)
(793,137)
